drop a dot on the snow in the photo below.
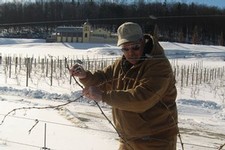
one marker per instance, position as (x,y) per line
(80,124)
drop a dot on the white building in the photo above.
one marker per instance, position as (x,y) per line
(82,34)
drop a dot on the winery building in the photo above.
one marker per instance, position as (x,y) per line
(82,34)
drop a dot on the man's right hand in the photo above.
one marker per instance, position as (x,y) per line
(78,71)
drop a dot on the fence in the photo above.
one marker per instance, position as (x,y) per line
(49,67)
(196,74)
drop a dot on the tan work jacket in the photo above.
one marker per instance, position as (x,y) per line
(143,98)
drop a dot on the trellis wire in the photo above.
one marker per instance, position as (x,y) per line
(66,125)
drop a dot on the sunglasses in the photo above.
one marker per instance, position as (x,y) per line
(135,47)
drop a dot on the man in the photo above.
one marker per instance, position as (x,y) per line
(140,87)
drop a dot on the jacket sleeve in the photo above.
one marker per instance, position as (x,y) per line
(151,89)
(100,78)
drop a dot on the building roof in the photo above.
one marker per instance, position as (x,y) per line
(69,29)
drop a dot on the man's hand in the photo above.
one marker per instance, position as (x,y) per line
(78,71)
(93,93)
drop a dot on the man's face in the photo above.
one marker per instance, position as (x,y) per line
(132,51)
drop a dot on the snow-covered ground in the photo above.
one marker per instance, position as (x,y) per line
(80,125)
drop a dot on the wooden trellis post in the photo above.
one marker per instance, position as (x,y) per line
(27,70)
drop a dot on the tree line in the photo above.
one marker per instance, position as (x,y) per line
(181,22)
